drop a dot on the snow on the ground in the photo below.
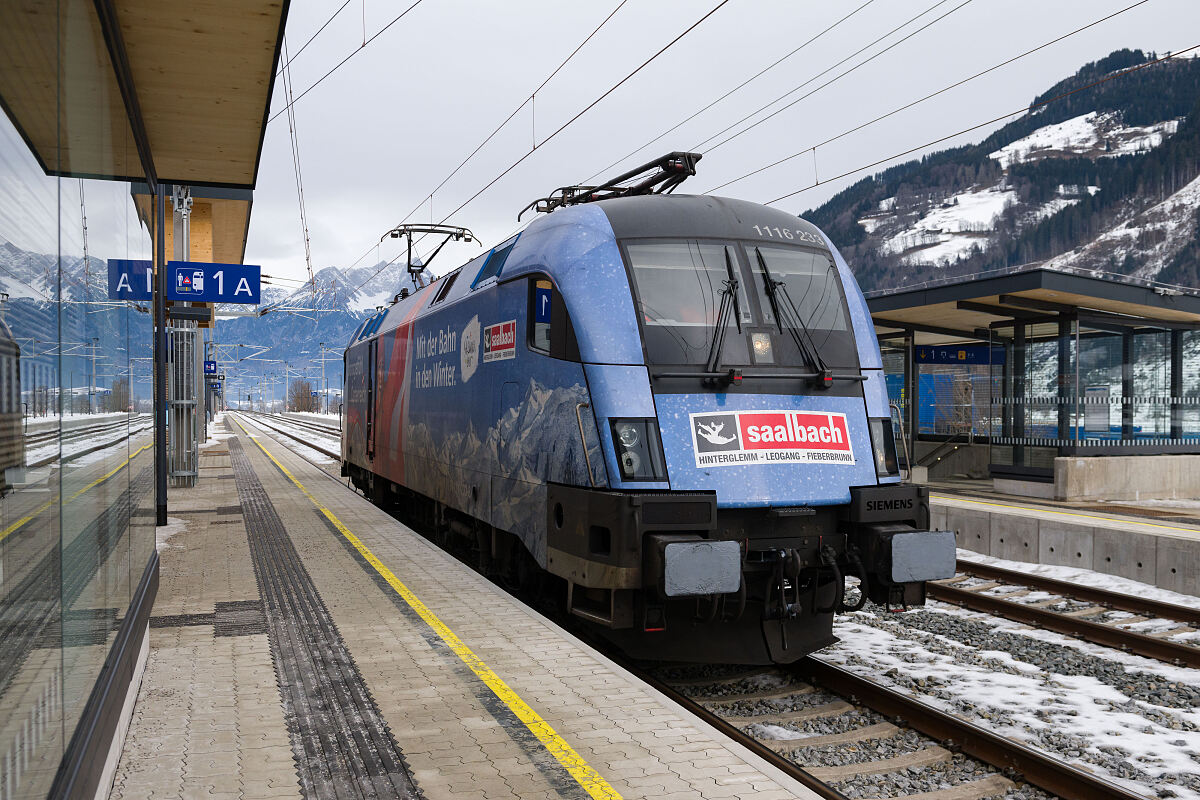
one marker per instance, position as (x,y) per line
(308,453)
(163,533)
(1094,135)
(327,419)
(1086,577)
(1187,505)
(1025,702)
(1166,226)
(950,231)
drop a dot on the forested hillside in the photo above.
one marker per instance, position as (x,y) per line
(1100,178)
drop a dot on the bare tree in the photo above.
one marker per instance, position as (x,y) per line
(300,396)
(118,399)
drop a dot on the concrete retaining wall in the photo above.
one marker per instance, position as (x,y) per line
(1127,478)
(1166,560)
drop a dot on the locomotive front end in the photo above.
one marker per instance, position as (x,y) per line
(753,469)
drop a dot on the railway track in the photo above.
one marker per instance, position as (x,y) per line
(1094,615)
(71,435)
(908,748)
(262,420)
(332,431)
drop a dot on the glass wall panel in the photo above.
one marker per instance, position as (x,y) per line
(75,433)
(31,675)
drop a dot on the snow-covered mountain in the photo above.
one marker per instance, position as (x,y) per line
(1105,180)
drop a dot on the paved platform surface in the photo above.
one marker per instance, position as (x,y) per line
(306,644)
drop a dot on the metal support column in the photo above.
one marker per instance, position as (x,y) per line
(1018,395)
(1064,379)
(1176,384)
(160,355)
(912,389)
(1127,386)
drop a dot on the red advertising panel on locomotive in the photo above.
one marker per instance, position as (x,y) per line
(733,438)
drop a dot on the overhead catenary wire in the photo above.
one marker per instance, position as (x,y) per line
(295,55)
(732,91)
(929,96)
(527,101)
(992,121)
(351,55)
(832,80)
(294,136)
(577,115)
(589,107)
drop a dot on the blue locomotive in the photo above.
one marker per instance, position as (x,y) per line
(675,405)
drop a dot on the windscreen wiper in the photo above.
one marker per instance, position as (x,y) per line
(729,302)
(795,324)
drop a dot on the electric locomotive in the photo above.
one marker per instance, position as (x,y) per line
(675,405)
(12,433)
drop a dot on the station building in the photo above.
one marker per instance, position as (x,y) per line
(1047,383)
(110,108)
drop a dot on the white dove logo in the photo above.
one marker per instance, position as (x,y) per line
(712,433)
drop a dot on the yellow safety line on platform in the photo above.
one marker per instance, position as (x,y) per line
(25,520)
(1041,510)
(572,762)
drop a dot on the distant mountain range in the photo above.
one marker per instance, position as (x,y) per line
(1105,179)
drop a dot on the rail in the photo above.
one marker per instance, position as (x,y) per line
(1042,770)
(1101,633)
(257,419)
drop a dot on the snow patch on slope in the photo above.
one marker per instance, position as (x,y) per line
(949,232)
(1154,235)
(1093,135)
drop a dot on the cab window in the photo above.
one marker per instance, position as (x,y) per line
(549,325)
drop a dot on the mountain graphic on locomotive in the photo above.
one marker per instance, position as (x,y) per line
(670,407)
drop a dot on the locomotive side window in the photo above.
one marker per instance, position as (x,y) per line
(549,325)
(495,262)
(444,289)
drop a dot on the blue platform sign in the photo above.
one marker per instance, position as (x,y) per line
(958,354)
(205,282)
(216,388)
(541,298)
(210,368)
(130,280)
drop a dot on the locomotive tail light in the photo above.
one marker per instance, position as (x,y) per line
(639,449)
(883,444)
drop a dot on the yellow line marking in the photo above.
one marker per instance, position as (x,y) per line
(25,520)
(1041,510)
(571,761)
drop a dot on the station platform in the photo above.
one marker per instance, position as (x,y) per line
(306,644)
(1157,543)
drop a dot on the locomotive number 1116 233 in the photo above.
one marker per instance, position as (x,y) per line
(775,232)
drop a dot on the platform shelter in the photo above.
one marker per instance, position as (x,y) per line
(1047,380)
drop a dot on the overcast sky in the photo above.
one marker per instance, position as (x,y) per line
(378,135)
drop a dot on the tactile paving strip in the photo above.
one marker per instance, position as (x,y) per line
(342,745)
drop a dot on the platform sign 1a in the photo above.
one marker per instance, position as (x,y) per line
(206,282)
(542,302)
(130,280)
(210,368)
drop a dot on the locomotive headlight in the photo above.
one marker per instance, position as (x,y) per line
(883,443)
(627,435)
(639,449)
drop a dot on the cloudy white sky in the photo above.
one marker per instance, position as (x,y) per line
(379,134)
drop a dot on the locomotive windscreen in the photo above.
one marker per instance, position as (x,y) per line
(678,288)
